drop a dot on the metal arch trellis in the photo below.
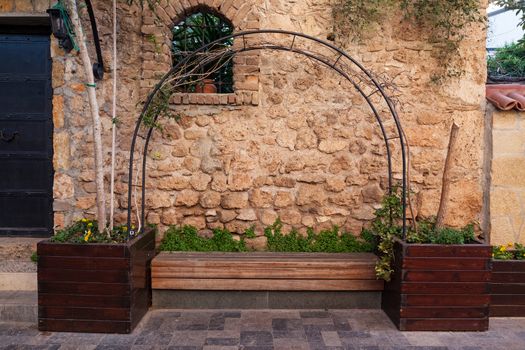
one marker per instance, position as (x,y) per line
(189,70)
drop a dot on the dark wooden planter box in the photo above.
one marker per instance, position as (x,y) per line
(507,288)
(439,287)
(100,288)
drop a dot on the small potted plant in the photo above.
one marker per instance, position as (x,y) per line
(437,279)
(507,286)
(91,281)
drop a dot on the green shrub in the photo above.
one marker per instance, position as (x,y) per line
(186,238)
(508,61)
(327,241)
(387,228)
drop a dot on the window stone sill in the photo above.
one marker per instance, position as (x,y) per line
(203,99)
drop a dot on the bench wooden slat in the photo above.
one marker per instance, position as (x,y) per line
(262,272)
(266,284)
(257,264)
(267,255)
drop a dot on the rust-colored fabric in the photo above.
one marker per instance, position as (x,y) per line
(507,97)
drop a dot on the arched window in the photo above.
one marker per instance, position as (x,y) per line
(192,33)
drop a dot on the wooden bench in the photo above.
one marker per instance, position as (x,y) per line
(265,271)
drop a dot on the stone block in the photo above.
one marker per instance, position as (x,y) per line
(235,200)
(187,198)
(508,171)
(24,6)
(7,6)
(508,141)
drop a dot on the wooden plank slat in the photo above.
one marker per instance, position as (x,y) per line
(508,266)
(447,276)
(101,276)
(47,248)
(83,263)
(507,288)
(444,300)
(265,255)
(266,284)
(257,263)
(84,313)
(507,310)
(508,299)
(443,312)
(445,288)
(508,277)
(443,324)
(430,264)
(453,251)
(108,301)
(85,326)
(262,272)
(84,288)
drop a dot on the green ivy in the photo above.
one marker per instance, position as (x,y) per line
(442,22)
(186,238)
(327,241)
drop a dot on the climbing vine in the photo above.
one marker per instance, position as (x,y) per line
(444,24)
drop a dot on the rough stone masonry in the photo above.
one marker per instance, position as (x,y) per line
(294,141)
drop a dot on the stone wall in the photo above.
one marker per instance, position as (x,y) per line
(507,192)
(295,141)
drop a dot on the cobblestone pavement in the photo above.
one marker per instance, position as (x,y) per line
(275,329)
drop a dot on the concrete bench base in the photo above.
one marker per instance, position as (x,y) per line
(214,299)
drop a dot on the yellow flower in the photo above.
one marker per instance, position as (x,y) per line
(124,228)
(90,224)
(510,245)
(132,227)
(502,248)
(88,234)
(84,220)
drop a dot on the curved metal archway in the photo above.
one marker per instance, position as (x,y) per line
(333,57)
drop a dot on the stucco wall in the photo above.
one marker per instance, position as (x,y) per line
(296,142)
(507,193)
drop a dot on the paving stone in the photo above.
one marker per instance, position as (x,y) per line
(256,338)
(188,338)
(331,338)
(153,339)
(286,324)
(222,341)
(314,314)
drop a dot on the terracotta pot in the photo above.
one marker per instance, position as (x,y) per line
(206,86)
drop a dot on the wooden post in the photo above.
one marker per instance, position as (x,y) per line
(445,187)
